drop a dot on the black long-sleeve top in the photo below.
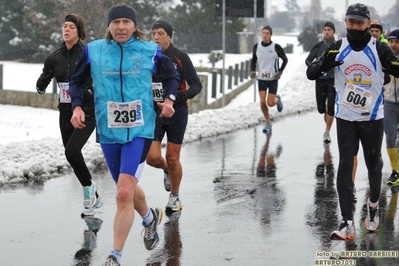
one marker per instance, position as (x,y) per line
(188,74)
(61,64)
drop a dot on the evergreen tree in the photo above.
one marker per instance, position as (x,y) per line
(307,38)
(198,29)
(32,29)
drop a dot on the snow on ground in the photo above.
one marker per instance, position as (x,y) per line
(30,142)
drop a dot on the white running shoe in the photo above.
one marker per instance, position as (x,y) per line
(111,261)
(372,220)
(268,128)
(150,233)
(91,200)
(174,203)
(326,137)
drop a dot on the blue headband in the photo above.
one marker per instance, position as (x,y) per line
(121,12)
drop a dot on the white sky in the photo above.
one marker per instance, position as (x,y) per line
(30,142)
(340,7)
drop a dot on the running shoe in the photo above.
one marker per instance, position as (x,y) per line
(111,261)
(393,180)
(326,137)
(151,237)
(279,104)
(166,180)
(268,128)
(344,232)
(91,200)
(174,203)
(372,220)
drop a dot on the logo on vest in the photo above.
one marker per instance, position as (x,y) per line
(357,77)
(357,67)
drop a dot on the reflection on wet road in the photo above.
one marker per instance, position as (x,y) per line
(247,199)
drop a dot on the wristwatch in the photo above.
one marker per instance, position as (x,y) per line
(172,97)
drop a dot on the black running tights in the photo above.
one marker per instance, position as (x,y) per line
(370,135)
(74,140)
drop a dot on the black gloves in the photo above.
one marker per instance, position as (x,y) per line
(40,91)
(329,60)
(395,64)
(181,97)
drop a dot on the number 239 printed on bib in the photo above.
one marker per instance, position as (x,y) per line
(125,114)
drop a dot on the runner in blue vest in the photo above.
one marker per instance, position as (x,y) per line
(121,67)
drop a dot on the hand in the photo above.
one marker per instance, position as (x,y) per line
(329,60)
(395,64)
(181,97)
(278,75)
(78,118)
(40,91)
(167,108)
(252,74)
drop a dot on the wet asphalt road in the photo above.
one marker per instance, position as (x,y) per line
(233,212)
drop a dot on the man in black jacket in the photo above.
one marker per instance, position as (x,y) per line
(360,63)
(325,92)
(175,126)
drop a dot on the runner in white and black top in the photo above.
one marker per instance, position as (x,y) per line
(266,55)
(359,62)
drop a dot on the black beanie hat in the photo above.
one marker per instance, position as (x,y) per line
(267,27)
(121,12)
(162,23)
(330,25)
(376,24)
(394,35)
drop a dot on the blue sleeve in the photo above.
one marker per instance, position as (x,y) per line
(168,74)
(79,77)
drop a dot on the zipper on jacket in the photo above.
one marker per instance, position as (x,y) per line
(69,66)
(121,84)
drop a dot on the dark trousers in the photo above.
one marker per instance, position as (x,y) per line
(74,140)
(370,134)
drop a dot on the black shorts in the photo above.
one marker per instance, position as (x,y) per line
(263,85)
(325,94)
(174,127)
